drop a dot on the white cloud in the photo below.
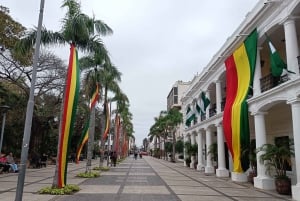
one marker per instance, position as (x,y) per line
(155,42)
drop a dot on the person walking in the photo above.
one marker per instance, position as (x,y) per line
(135,154)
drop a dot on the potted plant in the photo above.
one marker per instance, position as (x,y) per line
(191,151)
(277,157)
(213,151)
(188,161)
(250,153)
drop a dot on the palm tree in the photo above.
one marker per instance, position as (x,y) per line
(78,30)
(175,118)
(158,130)
(91,87)
(109,77)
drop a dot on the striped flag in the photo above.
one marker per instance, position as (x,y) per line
(84,136)
(94,96)
(107,122)
(117,136)
(68,115)
(240,68)
(83,140)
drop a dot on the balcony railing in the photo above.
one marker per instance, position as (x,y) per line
(268,82)
(212,111)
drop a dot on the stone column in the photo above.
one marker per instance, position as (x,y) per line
(221,171)
(292,49)
(200,165)
(262,180)
(209,169)
(295,104)
(193,158)
(193,138)
(218,96)
(257,74)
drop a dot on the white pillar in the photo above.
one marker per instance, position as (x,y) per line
(291,43)
(193,158)
(208,107)
(209,169)
(218,96)
(262,181)
(221,171)
(257,74)
(200,165)
(193,138)
(296,128)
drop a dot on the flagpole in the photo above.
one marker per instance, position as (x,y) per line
(29,111)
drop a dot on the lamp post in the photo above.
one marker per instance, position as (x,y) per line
(4,109)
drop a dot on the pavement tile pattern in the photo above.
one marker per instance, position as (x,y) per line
(144,179)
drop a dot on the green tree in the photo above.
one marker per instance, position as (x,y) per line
(78,29)
(174,119)
(179,146)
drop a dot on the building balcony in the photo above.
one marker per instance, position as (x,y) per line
(268,82)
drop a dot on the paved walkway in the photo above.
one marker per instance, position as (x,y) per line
(146,179)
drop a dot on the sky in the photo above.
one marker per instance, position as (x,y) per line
(155,42)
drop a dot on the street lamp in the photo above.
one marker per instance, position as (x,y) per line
(4,109)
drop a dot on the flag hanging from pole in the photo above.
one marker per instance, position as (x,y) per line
(94,96)
(190,116)
(204,103)
(84,136)
(240,68)
(117,130)
(107,122)
(68,116)
(277,64)
(83,140)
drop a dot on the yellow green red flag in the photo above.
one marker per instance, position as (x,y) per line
(240,68)
(68,115)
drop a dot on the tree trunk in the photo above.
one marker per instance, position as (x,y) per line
(173,146)
(102,140)
(90,141)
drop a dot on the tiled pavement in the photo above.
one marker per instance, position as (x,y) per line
(146,179)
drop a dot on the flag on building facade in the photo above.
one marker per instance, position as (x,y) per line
(190,116)
(277,64)
(204,103)
(68,115)
(240,68)
(198,106)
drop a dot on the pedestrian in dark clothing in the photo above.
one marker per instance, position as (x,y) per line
(135,155)
(113,158)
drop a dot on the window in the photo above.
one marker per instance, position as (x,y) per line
(175,99)
(175,91)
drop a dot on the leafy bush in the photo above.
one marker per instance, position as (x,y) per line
(67,190)
(88,174)
(103,168)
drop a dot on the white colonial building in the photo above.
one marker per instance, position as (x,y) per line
(273,106)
